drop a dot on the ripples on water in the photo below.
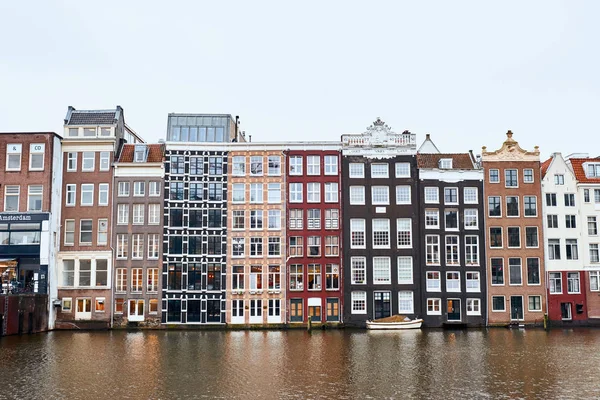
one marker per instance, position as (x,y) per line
(487,364)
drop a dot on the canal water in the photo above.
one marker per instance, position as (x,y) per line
(339,364)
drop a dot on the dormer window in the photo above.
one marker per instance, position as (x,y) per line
(89,132)
(593,170)
(104,131)
(141,153)
(445,163)
(73,132)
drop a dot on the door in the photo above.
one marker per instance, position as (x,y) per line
(213,311)
(516,307)
(453,309)
(565,311)
(136,310)
(237,311)
(296,310)
(83,308)
(333,310)
(383,304)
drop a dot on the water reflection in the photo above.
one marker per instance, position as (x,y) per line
(495,364)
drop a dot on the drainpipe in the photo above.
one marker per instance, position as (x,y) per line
(113,257)
(284,231)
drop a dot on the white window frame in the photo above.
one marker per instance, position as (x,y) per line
(358,268)
(404,264)
(104,160)
(295,165)
(433,284)
(357,195)
(313,192)
(358,302)
(331,192)
(139,189)
(471,195)
(123,189)
(103,188)
(452,283)
(88,158)
(69,231)
(361,229)
(138,214)
(274,193)
(85,188)
(72,161)
(431,307)
(432,195)
(102,229)
(403,297)
(382,270)
(382,198)
(474,305)
(402,222)
(276,169)
(35,190)
(331,165)
(313,165)
(375,174)
(13,149)
(399,167)
(356,170)
(35,149)
(296,194)
(383,232)
(403,198)
(473,282)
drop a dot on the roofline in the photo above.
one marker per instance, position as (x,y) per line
(31,133)
(200,115)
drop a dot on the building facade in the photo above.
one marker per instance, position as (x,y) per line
(137,234)
(380,224)
(514,230)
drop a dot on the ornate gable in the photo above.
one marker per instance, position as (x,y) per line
(379,141)
(510,151)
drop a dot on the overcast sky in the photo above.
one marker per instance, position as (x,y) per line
(464,71)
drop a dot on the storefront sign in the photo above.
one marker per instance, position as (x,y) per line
(24,217)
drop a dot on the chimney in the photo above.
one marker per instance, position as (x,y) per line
(427,136)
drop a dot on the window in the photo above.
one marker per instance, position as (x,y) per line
(103,194)
(85,231)
(34,197)
(152,282)
(471,218)
(215,245)
(450,196)
(494,176)
(104,160)
(404,231)
(313,194)
(296,246)
(402,170)
(256,165)
(594,281)
(238,219)
(593,170)
(274,165)
(498,303)
(313,165)
(215,166)
(382,273)
(405,302)
(452,256)
(256,219)
(535,303)
(433,281)
(137,246)
(357,195)
(470,195)
(274,221)
(514,236)
(473,307)
(274,193)
(314,276)
(379,171)
(445,163)
(531,236)
(139,188)
(237,246)
(238,166)
(122,246)
(89,131)
(68,275)
(596,196)
(512,206)
(533,271)
(237,281)
(432,244)
(452,282)
(497,266)
(121,275)
(332,277)
(71,162)
(472,281)
(559,179)
(432,219)
(88,158)
(494,208)
(381,233)
(256,193)
(296,219)
(357,233)
(11,198)
(138,214)
(528,175)
(215,191)
(495,237)
(432,195)
(256,277)
(451,219)
(274,278)
(140,153)
(471,250)
(332,246)
(405,270)
(358,270)
(569,200)
(36,156)
(295,165)
(555,282)
(359,302)
(196,165)
(554,249)
(331,192)
(434,306)
(275,246)
(332,217)
(87,194)
(551,199)
(510,178)
(153,243)
(592,226)
(571,249)
(174,277)
(313,246)
(515,274)
(403,195)
(586,195)
(380,195)
(69,232)
(137,280)
(552,221)
(296,193)
(357,170)
(530,206)
(13,157)
(331,165)
(153,214)
(238,191)
(570,221)
(102,231)
(296,277)
(123,189)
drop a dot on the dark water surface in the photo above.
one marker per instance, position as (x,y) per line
(492,364)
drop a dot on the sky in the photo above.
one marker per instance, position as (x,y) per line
(463,71)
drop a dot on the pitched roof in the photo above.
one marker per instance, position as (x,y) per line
(579,171)
(155,153)
(545,166)
(87,117)
(459,160)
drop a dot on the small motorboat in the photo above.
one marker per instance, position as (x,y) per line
(395,322)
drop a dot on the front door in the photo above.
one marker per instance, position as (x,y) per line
(382,303)
(83,308)
(296,310)
(333,310)
(516,307)
(136,310)
(453,309)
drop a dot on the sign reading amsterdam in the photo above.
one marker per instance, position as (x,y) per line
(24,217)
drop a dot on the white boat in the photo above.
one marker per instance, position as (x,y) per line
(403,324)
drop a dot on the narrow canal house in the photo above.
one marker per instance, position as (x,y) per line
(380,210)
(452,242)
(514,229)
(30,176)
(256,234)
(195,218)
(587,174)
(314,232)
(92,139)
(137,234)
